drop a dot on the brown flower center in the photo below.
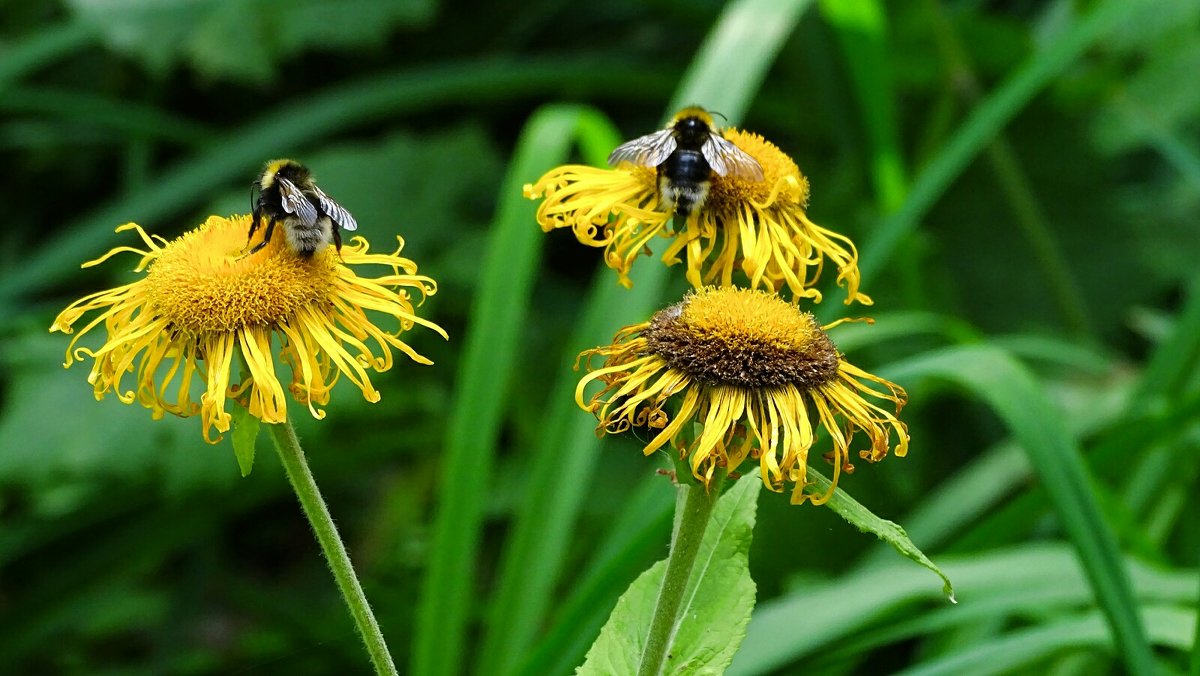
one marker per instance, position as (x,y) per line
(732,336)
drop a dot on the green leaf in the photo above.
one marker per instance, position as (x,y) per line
(1021,650)
(1015,395)
(489,354)
(716,607)
(990,116)
(730,65)
(864,520)
(861,30)
(241,39)
(38,48)
(245,433)
(843,615)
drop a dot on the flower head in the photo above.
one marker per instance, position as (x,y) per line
(759,228)
(201,300)
(757,373)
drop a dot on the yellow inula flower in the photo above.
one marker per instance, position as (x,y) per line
(751,368)
(201,299)
(757,227)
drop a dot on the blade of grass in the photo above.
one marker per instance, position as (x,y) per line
(1013,393)
(133,120)
(984,122)
(491,344)
(860,27)
(41,48)
(731,63)
(287,127)
(1018,581)
(754,30)
(1020,650)
(1173,361)
(565,454)
(1014,185)
(1165,141)
(1194,665)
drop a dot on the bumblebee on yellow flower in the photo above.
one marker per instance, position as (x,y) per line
(202,299)
(759,374)
(747,215)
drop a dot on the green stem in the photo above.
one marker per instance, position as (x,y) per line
(691,519)
(305,486)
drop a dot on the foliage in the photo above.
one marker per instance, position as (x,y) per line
(1023,181)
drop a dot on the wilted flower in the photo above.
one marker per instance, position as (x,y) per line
(758,374)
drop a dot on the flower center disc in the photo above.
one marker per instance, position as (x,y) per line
(202,282)
(732,336)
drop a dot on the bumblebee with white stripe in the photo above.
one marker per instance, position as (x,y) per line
(310,218)
(687,153)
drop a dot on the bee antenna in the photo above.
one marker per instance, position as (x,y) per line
(719,114)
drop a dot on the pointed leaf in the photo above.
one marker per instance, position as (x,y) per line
(245,433)
(717,604)
(890,532)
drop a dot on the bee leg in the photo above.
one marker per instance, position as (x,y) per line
(255,217)
(266,237)
(337,239)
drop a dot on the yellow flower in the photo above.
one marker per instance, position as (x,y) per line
(757,227)
(757,373)
(201,299)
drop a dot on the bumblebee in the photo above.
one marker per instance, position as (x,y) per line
(310,218)
(687,152)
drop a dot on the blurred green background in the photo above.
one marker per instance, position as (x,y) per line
(1022,179)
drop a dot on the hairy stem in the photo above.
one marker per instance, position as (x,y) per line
(305,486)
(691,519)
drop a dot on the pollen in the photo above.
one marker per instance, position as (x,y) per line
(204,283)
(782,180)
(734,336)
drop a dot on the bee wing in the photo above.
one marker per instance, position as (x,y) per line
(335,211)
(294,202)
(650,150)
(727,159)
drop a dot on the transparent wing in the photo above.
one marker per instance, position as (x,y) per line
(294,202)
(336,211)
(729,160)
(650,150)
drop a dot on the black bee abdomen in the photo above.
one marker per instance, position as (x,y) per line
(683,181)
(686,166)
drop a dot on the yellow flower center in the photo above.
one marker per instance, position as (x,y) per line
(202,282)
(729,335)
(780,174)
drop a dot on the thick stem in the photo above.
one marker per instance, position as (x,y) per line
(305,486)
(691,519)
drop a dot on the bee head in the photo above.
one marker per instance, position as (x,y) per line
(285,168)
(692,126)
(692,116)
